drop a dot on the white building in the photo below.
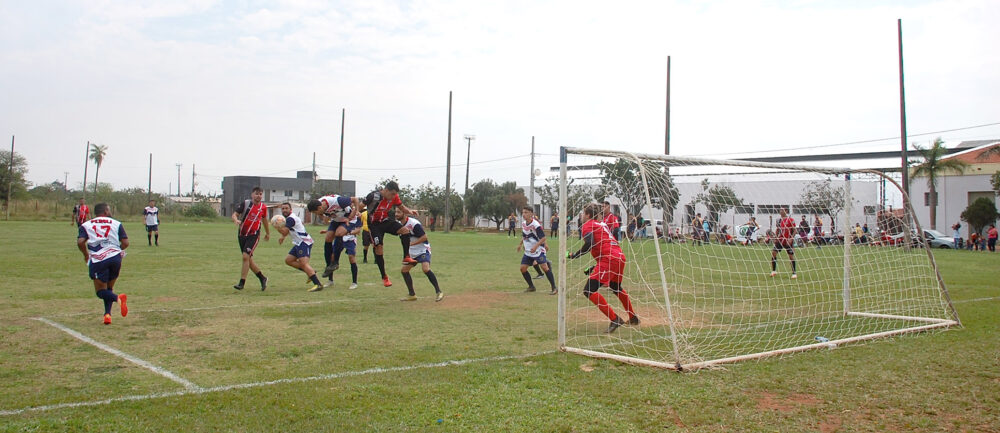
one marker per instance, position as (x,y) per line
(957,191)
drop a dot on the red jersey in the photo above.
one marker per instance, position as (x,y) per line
(381,211)
(611,220)
(82,213)
(252,217)
(786,228)
(604,243)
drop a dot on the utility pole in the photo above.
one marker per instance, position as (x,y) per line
(10,175)
(312,184)
(178,178)
(447,176)
(468,155)
(531,182)
(65,182)
(86,162)
(340,176)
(149,188)
(902,113)
(192,183)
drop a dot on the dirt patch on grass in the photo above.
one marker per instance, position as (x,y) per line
(769,401)
(831,424)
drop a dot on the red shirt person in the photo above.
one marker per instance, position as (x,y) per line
(81,213)
(611,220)
(248,217)
(786,232)
(609,269)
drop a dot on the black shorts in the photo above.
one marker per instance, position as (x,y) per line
(248,243)
(783,244)
(388,225)
(366,238)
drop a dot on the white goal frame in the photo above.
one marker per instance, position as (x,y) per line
(925,323)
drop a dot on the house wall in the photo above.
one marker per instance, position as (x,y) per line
(955,193)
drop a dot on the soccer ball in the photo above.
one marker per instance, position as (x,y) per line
(278,221)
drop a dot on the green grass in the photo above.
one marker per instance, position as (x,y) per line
(378,362)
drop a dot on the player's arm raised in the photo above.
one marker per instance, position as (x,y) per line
(406,210)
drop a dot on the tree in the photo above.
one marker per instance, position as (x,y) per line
(578,195)
(935,164)
(494,202)
(431,198)
(97,153)
(13,178)
(623,179)
(820,197)
(980,214)
(50,191)
(718,199)
(995,181)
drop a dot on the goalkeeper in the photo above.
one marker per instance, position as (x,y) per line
(610,267)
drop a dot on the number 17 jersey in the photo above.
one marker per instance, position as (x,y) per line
(104,236)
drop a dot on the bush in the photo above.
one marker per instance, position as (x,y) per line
(201,210)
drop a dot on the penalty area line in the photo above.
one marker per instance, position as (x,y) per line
(144,364)
(199,390)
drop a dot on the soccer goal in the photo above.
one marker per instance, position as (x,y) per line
(698,237)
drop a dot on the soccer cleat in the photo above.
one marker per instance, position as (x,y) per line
(408,298)
(353,286)
(553,292)
(634,321)
(773,273)
(328,272)
(386,282)
(614,325)
(539,276)
(439,297)
(263,284)
(315,288)
(795,276)
(529,290)
(238,286)
(121,303)
(409,261)
(107,319)
(335,266)
(328,284)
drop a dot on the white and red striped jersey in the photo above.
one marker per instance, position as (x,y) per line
(104,236)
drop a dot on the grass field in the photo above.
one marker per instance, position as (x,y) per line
(196,355)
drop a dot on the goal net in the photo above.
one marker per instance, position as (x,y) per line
(698,237)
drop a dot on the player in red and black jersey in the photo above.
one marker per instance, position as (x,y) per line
(612,221)
(381,222)
(783,240)
(609,270)
(249,216)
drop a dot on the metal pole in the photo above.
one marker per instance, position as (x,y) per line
(149,188)
(192,183)
(86,162)
(10,177)
(666,139)
(312,184)
(65,182)
(178,179)
(902,111)
(447,176)
(468,154)
(531,181)
(340,176)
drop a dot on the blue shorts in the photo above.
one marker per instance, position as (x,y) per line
(423,258)
(528,260)
(301,250)
(152,228)
(334,224)
(107,269)
(351,247)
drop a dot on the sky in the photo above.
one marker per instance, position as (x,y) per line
(257,87)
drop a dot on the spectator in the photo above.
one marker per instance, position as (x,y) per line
(992,236)
(957,234)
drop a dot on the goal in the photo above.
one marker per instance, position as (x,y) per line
(698,236)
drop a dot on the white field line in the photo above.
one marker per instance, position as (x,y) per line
(155,369)
(962,301)
(196,391)
(220,307)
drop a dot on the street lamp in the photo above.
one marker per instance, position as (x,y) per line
(468,152)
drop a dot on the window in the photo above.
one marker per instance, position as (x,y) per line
(746,209)
(771,208)
(871,210)
(288,193)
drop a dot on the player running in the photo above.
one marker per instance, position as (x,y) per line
(248,217)
(533,242)
(339,209)
(420,250)
(786,231)
(379,204)
(610,268)
(152,216)
(298,256)
(103,241)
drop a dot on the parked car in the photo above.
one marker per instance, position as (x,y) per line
(934,238)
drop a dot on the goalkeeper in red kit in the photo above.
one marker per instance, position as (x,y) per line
(786,232)
(609,270)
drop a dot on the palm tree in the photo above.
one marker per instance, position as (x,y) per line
(97,153)
(933,166)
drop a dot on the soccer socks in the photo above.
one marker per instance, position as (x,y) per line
(624,298)
(538,269)
(434,281)
(328,252)
(380,261)
(793,266)
(260,276)
(354,273)
(405,240)
(109,298)
(157,239)
(149,238)
(409,283)
(602,305)
(527,277)
(314,279)
(366,255)
(552,278)
(338,247)
(774,264)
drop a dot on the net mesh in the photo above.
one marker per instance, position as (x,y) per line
(698,237)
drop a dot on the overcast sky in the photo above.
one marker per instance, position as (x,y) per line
(255,87)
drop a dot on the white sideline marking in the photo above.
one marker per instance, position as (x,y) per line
(198,390)
(219,307)
(975,300)
(155,369)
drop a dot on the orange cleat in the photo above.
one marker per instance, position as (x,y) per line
(107,319)
(121,302)
(409,261)
(386,282)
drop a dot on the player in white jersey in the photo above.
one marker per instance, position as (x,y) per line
(533,243)
(103,241)
(420,250)
(298,256)
(338,209)
(152,215)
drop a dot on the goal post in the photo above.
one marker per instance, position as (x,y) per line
(711,275)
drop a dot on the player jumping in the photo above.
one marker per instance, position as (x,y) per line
(610,268)
(339,209)
(379,204)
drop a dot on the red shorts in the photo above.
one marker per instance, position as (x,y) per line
(609,269)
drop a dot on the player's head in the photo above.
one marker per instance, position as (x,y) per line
(257,194)
(398,212)
(316,206)
(783,211)
(102,209)
(527,212)
(390,190)
(753,218)
(589,212)
(286,209)
(607,206)
(81,200)
(152,203)
(803,217)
